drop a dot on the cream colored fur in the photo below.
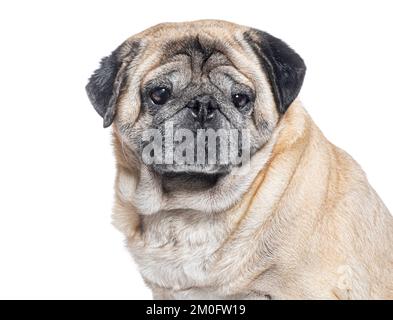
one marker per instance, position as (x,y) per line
(302,223)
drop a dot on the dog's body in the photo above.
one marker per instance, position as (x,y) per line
(301,221)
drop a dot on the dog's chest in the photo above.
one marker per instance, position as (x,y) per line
(177,251)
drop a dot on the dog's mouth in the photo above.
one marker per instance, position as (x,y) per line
(190,169)
(209,152)
(206,160)
(189,181)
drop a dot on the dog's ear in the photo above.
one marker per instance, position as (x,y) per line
(284,67)
(105,83)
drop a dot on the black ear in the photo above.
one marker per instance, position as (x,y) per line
(284,67)
(105,83)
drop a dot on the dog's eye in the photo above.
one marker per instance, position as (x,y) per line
(160,95)
(240,100)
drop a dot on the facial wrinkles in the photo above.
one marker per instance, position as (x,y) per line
(195,74)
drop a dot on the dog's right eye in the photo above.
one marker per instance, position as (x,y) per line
(160,95)
(240,100)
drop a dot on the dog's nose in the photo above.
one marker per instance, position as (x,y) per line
(203,108)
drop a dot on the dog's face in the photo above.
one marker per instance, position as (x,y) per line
(185,81)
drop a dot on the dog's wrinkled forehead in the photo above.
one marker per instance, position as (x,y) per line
(190,46)
(195,63)
(203,57)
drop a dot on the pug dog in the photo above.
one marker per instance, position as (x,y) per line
(294,219)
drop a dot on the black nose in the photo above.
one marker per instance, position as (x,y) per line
(203,108)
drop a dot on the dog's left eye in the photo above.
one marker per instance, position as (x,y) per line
(240,100)
(160,95)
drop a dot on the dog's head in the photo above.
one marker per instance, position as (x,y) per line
(187,81)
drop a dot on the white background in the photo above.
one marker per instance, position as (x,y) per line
(57,167)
